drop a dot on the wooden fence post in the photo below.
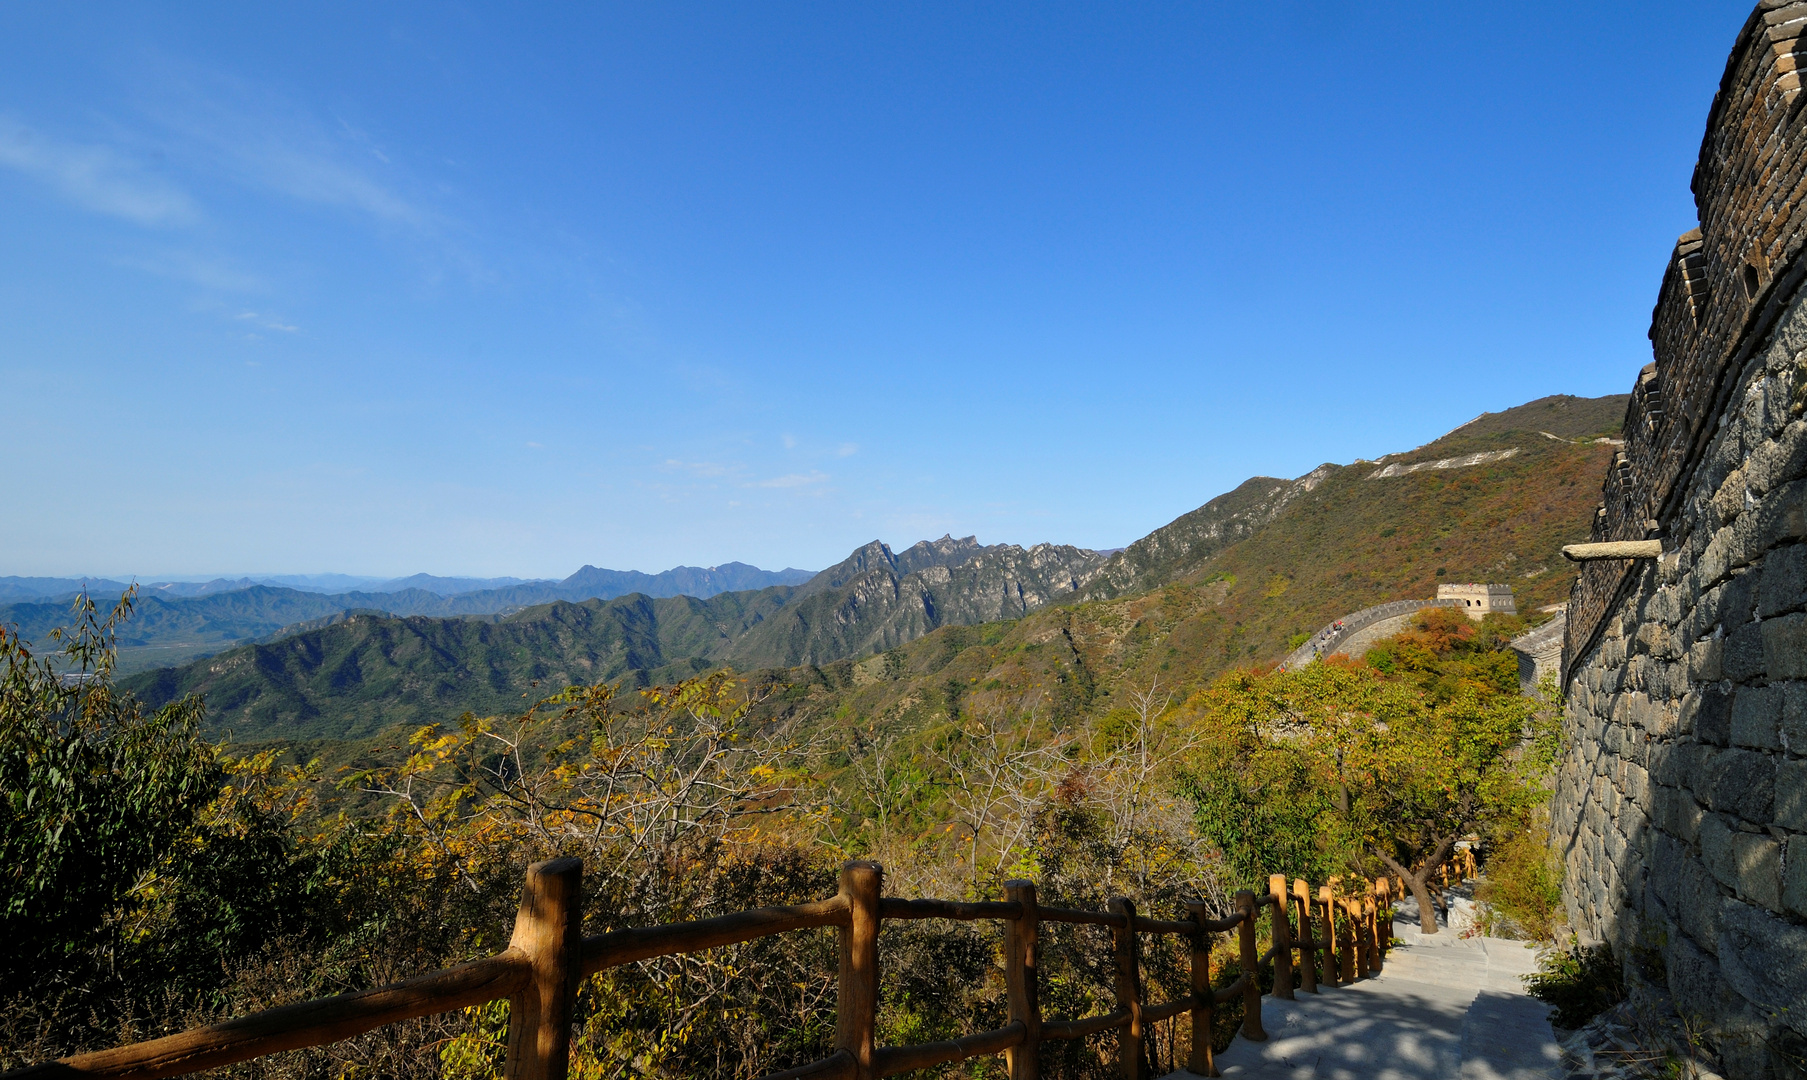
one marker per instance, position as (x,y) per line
(1380,921)
(1283,938)
(1358,936)
(856,1004)
(1201,1062)
(1129,989)
(1251,967)
(1370,949)
(1332,954)
(1021,978)
(548,928)
(1347,948)
(1308,942)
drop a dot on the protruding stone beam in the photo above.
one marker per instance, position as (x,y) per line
(1617,549)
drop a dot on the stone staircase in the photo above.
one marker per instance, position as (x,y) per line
(1442,1007)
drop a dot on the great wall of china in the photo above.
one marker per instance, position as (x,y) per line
(1681,802)
(1353,634)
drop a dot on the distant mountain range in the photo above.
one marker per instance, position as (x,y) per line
(678,581)
(176,622)
(1227,583)
(365,671)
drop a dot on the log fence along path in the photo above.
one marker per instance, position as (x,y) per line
(547,958)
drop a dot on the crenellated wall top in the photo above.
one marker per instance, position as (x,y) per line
(1725,284)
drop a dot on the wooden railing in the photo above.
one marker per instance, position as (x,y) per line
(540,971)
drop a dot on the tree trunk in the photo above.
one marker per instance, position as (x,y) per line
(1419,883)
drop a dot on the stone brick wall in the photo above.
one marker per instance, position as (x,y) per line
(1680,805)
(1720,295)
(1330,640)
(1681,799)
(1539,652)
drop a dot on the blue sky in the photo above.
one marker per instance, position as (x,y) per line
(508,289)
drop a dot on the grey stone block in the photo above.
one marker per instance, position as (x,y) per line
(1779,517)
(1668,681)
(1784,586)
(1694,977)
(1637,749)
(1742,782)
(1716,851)
(1765,960)
(1785,646)
(1690,765)
(1791,794)
(1655,639)
(1636,789)
(1714,558)
(1794,885)
(1688,815)
(1739,598)
(1745,649)
(1794,716)
(1779,460)
(1759,859)
(1665,870)
(1757,717)
(1698,905)
(1707,713)
(1706,611)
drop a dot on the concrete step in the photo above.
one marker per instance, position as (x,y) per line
(1507,1036)
(1441,1007)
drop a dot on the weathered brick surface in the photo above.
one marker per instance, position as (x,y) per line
(1680,803)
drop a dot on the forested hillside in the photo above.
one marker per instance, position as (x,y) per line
(365,672)
(1232,583)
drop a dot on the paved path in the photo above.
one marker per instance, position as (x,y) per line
(1442,1008)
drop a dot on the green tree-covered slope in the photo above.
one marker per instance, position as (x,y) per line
(1227,585)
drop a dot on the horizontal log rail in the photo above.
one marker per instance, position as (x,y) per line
(1079,1029)
(645,942)
(538,974)
(901,1059)
(893,908)
(293,1027)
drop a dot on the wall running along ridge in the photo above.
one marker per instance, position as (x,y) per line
(1391,618)
(1680,807)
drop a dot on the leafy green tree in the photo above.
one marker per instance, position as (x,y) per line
(1425,779)
(1389,764)
(96,793)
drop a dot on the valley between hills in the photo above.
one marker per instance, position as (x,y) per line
(902,636)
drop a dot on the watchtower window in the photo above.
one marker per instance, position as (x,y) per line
(1750,281)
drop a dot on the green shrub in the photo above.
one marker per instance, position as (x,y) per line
(1524,882)
(1580,982)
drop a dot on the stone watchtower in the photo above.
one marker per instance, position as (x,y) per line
(1477,601)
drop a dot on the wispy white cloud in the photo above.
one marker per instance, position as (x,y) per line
(259,138)
(704,469)
(267,322)
(96,177)
(789,441)
(846,449)
(794,480)
(207,271)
